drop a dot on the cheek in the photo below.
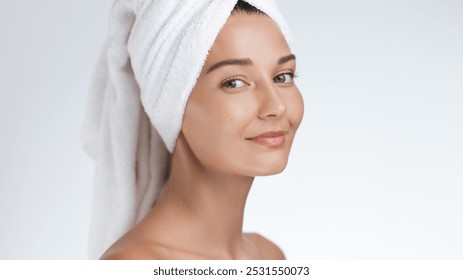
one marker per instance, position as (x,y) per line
(199,125)
(214,127)
(295,105)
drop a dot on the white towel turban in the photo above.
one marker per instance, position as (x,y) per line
(148,66)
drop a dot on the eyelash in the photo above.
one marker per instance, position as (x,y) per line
(231,79)
(292,75)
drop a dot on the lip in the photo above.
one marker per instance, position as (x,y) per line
(270,139)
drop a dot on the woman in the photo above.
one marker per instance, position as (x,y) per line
(239,122)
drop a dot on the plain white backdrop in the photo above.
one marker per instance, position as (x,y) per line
(376,171)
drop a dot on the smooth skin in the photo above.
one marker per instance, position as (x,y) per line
(246,88)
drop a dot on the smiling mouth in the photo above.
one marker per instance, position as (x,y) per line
(270,139)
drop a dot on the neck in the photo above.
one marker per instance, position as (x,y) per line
(204,205)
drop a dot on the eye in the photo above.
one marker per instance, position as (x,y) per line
(233,83)
(284,78)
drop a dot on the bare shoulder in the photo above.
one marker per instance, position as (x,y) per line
(137,250)
(148,250)
(267,249)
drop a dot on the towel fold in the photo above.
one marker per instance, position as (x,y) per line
(148,66)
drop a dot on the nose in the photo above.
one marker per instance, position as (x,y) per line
(272,105)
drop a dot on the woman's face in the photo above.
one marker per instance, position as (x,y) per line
(244,111)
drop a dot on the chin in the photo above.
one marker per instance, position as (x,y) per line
(270,168)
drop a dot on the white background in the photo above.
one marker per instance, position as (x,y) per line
(376,170)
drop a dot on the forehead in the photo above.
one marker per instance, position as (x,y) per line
(255,36)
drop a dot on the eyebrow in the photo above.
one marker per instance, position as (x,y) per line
(287,58)
(246,61)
